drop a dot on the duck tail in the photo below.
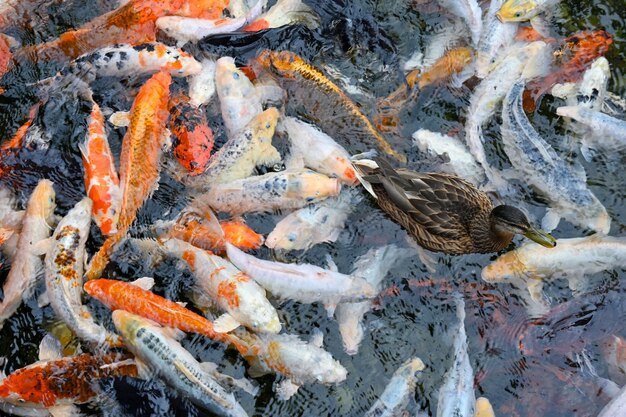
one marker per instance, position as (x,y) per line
(366,170)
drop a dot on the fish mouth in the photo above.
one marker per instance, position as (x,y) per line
(500,17)
(541,237)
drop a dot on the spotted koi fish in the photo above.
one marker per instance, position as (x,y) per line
(64,276)
(72,380)
(219,283)
(101,180)
(139,161)
(193,137)
(120,295)
(576,54)
(325,103)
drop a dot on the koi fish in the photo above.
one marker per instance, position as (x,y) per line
(496,37)
(190,29)
(241,154)
(526,10)
(483,408)
(55,384)
(64,276)
(159,353)
(610,129)
(453,62)
(120,295)
(572,259)
(193,137)
(319,151)
(239,100)
(194,229)
(456,395)
(139,161)
(285,12)
(401,387)
(308,226)
(325,103)
(373,266)
(101,181)
(288,355)
(264,193)
(27,263)
(470,12)
(219,283)
(577,53)
(305,283)
(564,186)
(460,161)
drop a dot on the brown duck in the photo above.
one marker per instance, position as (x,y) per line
(443,212)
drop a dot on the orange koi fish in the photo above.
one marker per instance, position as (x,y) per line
(193,136)
(139,161)
(576,54)
(101,181)
(120,295)
(71,380)
(198,232)
(326,104)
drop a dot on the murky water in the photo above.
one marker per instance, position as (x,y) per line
(366,41)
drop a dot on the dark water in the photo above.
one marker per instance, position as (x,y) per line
(367,42)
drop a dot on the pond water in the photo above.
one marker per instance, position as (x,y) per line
(367,42)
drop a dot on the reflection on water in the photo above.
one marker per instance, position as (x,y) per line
(367,42)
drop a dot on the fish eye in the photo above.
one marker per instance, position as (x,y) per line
(291,237)
(236,75)
(518,14)
(21,400)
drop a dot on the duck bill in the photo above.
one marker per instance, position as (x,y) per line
(541,237)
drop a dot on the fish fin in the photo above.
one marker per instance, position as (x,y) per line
(295,162)
(145,283)
(331,264)
(587,152)
(286,389)
(578,284)
(269,91)
(246,385)
(427,258)
(66,410)
(120,119)
(541,26)
(143,370)
(190,375)
(172,332)
(225,323)
(50,348)
(181,303)
(372,153)
(317,338)
(535,289)
(458,78)
(42,247)
(43,300)
(330,309)
(550,220)
(256,368)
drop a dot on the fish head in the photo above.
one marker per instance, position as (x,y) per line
(507,267)
(100,289)
(588,45)
(80,214)
(241,235)
(230,81)
(286,235)
(184,66)
(264,315)
(23,388)
(518,11)
(279,63)
(312,186)
(263,126)
(329,371)
(129,324)
(43,200)
(351,334)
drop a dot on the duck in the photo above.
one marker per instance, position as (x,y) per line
(444,212)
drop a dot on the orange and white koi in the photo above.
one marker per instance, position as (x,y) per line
(139,161)
(190,29)
(120,295)
(319,151)
(44,385)
(101,181)
(27,263)
(193,137)
(285,12)
(194,229)
(219,283)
